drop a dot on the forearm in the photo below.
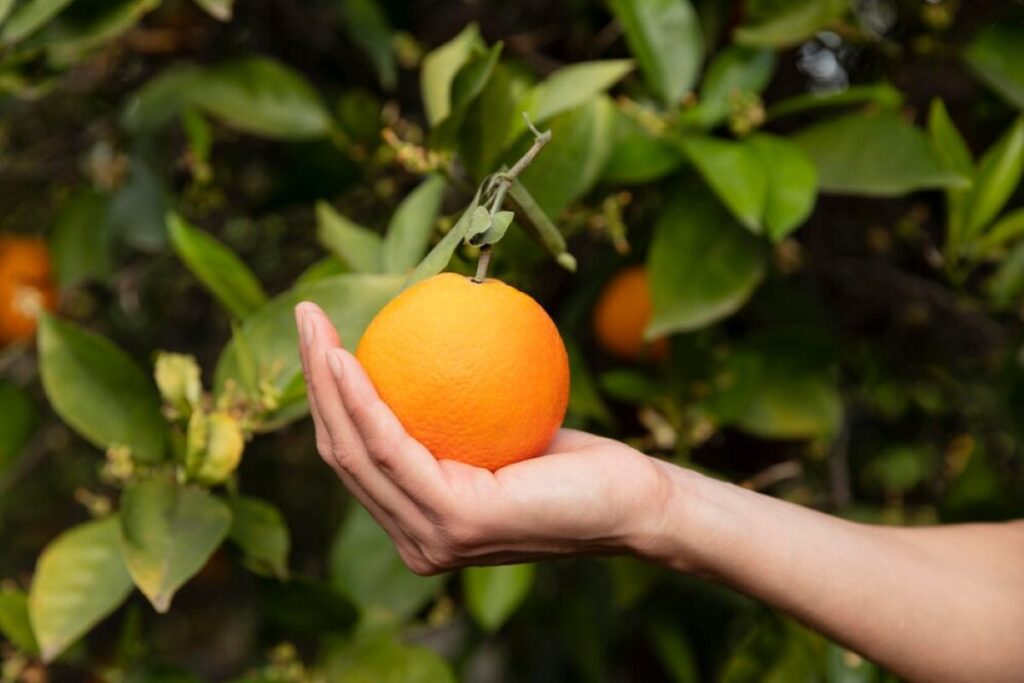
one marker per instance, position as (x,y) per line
(931,604)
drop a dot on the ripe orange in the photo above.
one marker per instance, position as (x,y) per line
(476,372)
(26,286)
(622,313)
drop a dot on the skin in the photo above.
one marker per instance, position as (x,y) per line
(930,604)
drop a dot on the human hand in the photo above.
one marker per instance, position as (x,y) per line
(587,494)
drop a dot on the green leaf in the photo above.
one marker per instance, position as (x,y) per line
(138,211)
(80,244)
(99,391)
(493,594)
(786,23)
(776,651)
(1007,283)
(703,265)
(160,100)
(735,172)
(367,25)
(328,266)
(350,301)
(584,399)
(222,272)
(260,531)
(438,257)
(5,10)
(29,17)
(358,247)
(469,83)
(675,650)
(792,184)
(380,657)
(900,468)
(20,420)
(734,71)
(999,173)
(87,25)
(366,568)
(14,621)
(874,154)
(665,37)
(567,88)
(168,532)
(956,157)
(570,165)
(218,9)
(638,155)
(411,226)
(439,69)
(536,222)
(487,122)
(496,228)
(631,386)
(881,95)
(1008,228)
(80,579)
(996,55)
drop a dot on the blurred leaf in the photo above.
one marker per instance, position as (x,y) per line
(735,172)
(14,620)
(777,651)
(138,210)
(792,184)
(88,24)
(29,17)
(367,24)
(734,71)
(999,173)
(881,95)
(702,264)
(488,120)
(218,9)
(469,83)
(328,266)
(493,594)
(845,666)
(304,606)
(665,37)
(997,56)
(358,247)
(955,156)
(411,226)
(366,568)
(1007,284)
(160,100)
(570,165)
(5,10)
(565,89)
(350,301)
(536,222)
(259,529)
(638,155)
(99,391)
(80,241)
(900,468)
(584,399)
(222,272)
(439,69)
(1005,230)
(20,419)
(199,134)
(632,580)
(359,115)
(631,386)
(875,155)
(168,532)
(80,579)
(675,651)
(382,658)
(437,258)
(981,492)
(784,23)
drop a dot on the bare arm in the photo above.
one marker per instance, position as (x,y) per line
(935,604)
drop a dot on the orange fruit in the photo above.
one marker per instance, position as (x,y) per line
(26,286)
(476,372)
(622,313)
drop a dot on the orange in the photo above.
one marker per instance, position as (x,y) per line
(623,312)
(476,372)
(26,286)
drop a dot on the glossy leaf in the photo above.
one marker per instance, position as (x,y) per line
(80,244)
(99,391)
(168,532)
(221,270)
(734,71)
(218,9)
(20,419)
(367,24)
(789,22)
(638,155)
(997,56)
(702,264)
(80,579)
(735,172)
(665,38)
(359,248)
(29,17)
(999,173)
(792,184)
(260,531)
(439,69)
(469,83)
(366,568)
(437,258)
(875,155)
(411,226)
(14,620)
(493,594)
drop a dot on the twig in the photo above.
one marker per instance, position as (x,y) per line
(504,182)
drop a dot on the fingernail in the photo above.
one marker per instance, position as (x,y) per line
(308,328)
(334,361)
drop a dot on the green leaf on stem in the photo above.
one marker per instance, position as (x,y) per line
(493,594)
(439,69)
(359,248)
(411,226)
(735,172)
(260,531)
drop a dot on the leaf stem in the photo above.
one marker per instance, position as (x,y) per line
(504,182)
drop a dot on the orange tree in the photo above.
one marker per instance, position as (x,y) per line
(823,195)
